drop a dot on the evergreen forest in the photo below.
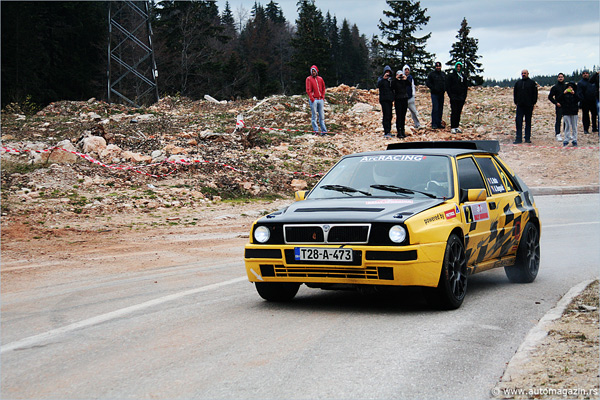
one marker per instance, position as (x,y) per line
(58,50)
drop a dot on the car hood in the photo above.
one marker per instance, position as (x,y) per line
(360,209)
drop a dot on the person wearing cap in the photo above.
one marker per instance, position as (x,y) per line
(400,101)
(386,97)
(315,88)
(457,86)
(586,92)
(411,92)
(555,92)
(436,82)
(525,96)
(569,105)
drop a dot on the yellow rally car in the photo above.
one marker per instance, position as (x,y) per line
(423,214)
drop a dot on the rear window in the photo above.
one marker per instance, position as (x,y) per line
(492,176)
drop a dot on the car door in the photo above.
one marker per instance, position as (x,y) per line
(505,211)
(474,215)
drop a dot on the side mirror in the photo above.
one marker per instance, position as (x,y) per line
(476,195)
(300,195)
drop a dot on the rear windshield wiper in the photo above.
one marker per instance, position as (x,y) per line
(344,189)
(398,189)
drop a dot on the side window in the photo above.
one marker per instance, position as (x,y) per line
(492,176)
(468,175)
(505,176)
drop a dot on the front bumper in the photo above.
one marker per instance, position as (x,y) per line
(417,265)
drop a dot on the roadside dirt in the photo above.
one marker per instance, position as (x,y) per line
(565,364)
(57,215)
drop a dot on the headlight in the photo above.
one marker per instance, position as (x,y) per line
(397,234)
(262,234)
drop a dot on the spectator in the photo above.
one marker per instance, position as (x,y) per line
(315,88)
(436,82)
(568,100)
(587,92)
(594,81)
(386,97)
(457,87)
(411,92)
(556,91)
(400,101)
(525,97)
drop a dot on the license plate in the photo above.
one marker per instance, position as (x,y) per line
(322,254)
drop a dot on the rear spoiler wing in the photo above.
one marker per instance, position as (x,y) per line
(490,146)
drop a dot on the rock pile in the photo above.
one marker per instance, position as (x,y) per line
(274,154)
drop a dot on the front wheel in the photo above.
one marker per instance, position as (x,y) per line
(527,263)
(277,291)
(452,287)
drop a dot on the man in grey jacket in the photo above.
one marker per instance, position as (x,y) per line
(411,91)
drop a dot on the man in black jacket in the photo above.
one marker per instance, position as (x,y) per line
(436,82)
(556,91)
(457,86)
(386,98)
(525,97)
(400,101)
(586,92)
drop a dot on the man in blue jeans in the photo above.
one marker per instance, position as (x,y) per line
(315,88)
(525,97)
(436,82)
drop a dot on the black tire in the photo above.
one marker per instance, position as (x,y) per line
(452,288)
(277,291)
(527,263)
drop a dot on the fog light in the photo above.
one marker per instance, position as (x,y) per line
(262,234)
(397,234)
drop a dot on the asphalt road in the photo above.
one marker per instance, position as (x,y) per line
(201,331)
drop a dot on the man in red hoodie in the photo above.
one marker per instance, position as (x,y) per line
(315,88)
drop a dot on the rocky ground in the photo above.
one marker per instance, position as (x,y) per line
(565,363)
(182,166)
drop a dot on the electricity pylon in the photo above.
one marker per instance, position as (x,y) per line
(131,68)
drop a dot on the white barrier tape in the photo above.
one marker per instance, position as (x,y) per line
(182,161)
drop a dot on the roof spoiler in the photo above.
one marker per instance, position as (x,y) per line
(491,146)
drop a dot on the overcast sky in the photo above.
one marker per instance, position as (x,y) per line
(544,36)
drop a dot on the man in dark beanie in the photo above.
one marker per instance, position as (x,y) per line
(386,98)
(525,97)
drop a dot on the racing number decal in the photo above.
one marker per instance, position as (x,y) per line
(476,212)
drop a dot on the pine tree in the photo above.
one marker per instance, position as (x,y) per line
(265,51)
(465,51)
(333,34)
(310,45)
(274,13)
(228,21)
(401,46)
(347,53)
(360,72)
(189,38)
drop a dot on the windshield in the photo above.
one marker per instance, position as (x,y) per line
(387,175)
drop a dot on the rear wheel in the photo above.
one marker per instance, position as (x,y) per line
(527,263)
(452,287)
(277,291)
